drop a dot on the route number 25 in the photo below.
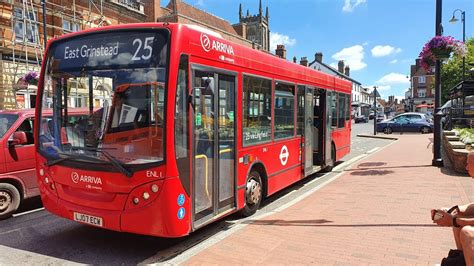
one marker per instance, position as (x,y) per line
(145,51)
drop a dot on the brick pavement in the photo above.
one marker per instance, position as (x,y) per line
(376,212)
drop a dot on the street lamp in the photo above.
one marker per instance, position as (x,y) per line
(375,110)
(463,20)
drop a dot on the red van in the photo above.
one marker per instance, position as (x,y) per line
(17,158)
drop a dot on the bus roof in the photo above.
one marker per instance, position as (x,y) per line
(206,44)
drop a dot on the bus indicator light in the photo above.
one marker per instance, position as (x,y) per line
(154,188)
(136,201)
(146,195)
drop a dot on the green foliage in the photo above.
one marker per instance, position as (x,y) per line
(451,72)
(466,135)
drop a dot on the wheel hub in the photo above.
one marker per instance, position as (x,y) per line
(5,200)
(253,191)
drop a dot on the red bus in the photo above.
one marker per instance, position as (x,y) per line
(183,127)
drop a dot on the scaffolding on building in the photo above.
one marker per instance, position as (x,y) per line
(24,49)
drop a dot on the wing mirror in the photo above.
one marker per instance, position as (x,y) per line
(18,138)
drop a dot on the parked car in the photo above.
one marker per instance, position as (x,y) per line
(407,122)
(371,115)
(17,158)
(361,119)
(380,118)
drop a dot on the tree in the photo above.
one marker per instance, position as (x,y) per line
(451,71)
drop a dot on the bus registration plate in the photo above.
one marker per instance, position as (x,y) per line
(88,219)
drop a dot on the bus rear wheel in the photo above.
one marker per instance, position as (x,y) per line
(253,194)
(9,200)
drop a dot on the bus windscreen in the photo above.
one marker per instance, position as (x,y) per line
(116,81)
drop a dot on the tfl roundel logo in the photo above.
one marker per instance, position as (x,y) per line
(205,42)
(75,177)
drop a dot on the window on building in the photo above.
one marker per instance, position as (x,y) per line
(70,26)
(421,93)
(421,79)
(284,110)
(257,106)
(26,26)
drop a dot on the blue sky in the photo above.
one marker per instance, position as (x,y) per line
(378,39)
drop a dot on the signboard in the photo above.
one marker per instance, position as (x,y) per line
(111,50)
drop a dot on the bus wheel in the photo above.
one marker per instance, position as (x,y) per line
(253,194)
(9,200)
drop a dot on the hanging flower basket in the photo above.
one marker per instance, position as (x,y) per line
(440,48)
(30,78)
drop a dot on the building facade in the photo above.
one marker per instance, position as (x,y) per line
(251,31)
(22,42)
(422,86)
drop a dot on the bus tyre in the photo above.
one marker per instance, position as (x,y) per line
(9,200)
(253,194)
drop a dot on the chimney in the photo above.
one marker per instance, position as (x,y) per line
(340,66)
(319,57)
(152,10)
(281,51)
(294,59)
(347,71)
(304,61)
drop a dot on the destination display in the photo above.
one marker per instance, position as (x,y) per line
(111,50)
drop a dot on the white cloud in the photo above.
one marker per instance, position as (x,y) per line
(393,79)
(394,61)
(353,57)
(349,5)
(384,50)
(200,2)
(277,38)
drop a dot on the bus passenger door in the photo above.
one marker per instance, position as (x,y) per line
(308,131)
(331,123)
(214,145)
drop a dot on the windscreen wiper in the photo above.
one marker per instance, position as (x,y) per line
(66,158)
(118,165)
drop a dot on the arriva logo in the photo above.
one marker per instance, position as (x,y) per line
(76,178)
(207,45)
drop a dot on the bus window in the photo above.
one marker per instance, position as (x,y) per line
(300,115)
(284,110)
(181,142)
(257,106)
(341,114)
(332,101)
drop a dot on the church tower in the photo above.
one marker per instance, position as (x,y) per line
(257,27)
